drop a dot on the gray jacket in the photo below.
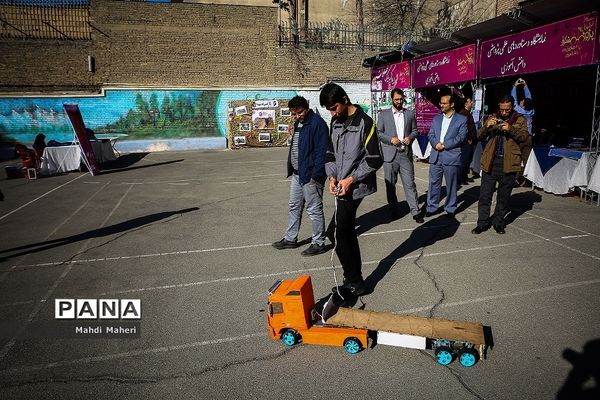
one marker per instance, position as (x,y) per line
(386,127)
(354,151)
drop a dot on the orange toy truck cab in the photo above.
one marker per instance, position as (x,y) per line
(290,318)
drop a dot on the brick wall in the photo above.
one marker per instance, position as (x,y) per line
(43,65)
(506,5)
(173,45)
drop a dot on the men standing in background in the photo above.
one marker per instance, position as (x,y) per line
(524,107)
(352,159)
(397,128)
(500,161)
(447,134)
(468,148)
(306,166)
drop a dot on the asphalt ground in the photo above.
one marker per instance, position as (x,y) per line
(189,234)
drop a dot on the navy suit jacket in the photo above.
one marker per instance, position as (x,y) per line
(455,136)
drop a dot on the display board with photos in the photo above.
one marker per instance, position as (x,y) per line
(259,123)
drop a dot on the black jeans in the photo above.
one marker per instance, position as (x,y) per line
(343,223)
(506,182)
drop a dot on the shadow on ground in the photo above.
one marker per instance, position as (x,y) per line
(125,226)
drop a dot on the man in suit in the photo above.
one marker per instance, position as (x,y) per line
(447,134)
(397,128)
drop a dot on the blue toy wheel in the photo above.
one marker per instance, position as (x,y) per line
(443,355)
(289,337)
(352,345)
(468,357)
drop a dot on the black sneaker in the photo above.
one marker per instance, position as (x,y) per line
(418,218)
(314,249)
(352,288)
(285,244)
(480,229)
(499,229)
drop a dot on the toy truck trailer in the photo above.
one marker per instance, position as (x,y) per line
(292,319)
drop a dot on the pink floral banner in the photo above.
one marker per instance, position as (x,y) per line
(391,76)
(569,43)
(448,67)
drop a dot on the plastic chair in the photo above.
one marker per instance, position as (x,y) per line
(30,161)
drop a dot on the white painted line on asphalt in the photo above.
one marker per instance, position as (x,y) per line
(574,236)
(559,244)
(299,271)
(194,180)
(504,296)
(212,342)
(135,353)
(39,197)
(561,224)
(6,348)
(5,274)
(17,303)
(305,270)
(170,253)
(182,252)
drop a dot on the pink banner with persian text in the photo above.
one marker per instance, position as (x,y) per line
(425,111)
(448,67)
(569,43)
(391,76)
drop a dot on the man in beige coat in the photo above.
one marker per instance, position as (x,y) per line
(500,162)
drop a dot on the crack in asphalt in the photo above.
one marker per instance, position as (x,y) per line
(430,275)
(442,297)
(457,375)
(143,380)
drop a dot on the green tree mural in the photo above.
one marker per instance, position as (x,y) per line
(167,110)
(205,120)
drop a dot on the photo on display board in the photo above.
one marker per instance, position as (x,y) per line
(285,112)
(239,140)
(245,127)
(264,137)
(241,110)
(263,119)
(283,128)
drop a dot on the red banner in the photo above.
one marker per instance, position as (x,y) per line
(563,44)
(84,143)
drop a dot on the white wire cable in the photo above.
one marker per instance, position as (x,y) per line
(337,288)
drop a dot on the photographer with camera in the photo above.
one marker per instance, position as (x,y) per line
(500,162)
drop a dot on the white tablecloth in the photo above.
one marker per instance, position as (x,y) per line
(562,178)
(103,151)
(594,183)
(417,150)
(60,159)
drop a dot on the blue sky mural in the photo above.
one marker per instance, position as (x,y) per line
(132,114)
(138,114)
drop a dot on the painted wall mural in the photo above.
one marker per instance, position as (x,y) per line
(146,120)
(133,114)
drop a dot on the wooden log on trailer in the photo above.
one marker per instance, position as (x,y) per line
(433,328)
